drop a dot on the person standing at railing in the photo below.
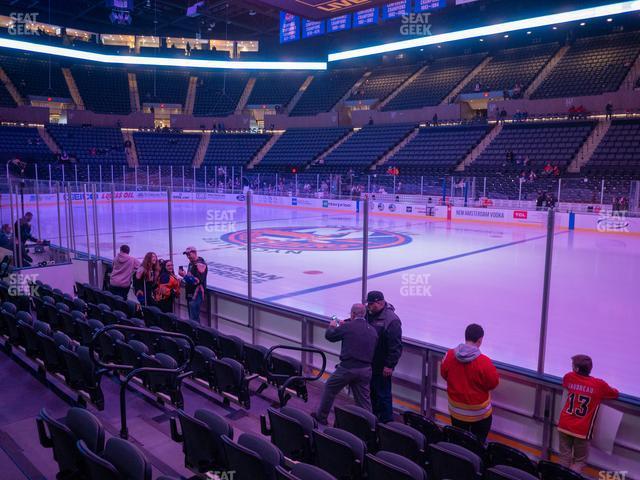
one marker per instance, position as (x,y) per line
(124,266)
(382,316)
(470,377)
(195,280)
(146,279)
(359,340)
(578,416)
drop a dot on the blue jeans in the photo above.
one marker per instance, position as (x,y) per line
(194,307)
(381,398)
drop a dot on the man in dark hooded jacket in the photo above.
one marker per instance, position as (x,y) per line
(382,316)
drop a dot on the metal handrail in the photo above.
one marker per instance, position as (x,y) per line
(288,380)
(179,371)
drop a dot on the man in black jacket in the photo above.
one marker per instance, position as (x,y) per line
(382,316)
(359,341)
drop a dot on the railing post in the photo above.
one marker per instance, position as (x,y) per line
(135,176)
(86,218)
(113,218)
(96,226)
(147,178)
(183,178)
(206,180)
(559,189)
(546,290)
(170,222)
(249,259)
(59,216)
(602,192)
(365,248)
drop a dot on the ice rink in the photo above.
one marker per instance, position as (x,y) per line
(439,275)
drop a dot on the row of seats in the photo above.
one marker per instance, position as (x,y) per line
(90,145)
(619,150)
(103,89)
(382,82)
(162,86)
(34,76)
(275,89)
(233,149)
(166,148)
(325,91)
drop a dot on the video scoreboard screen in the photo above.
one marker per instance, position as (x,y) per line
(289,27)
(365,17)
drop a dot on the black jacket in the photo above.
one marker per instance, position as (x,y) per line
(389,328)
(359,340)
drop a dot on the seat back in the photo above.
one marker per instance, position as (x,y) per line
(208,337)
(202,443)
(554,471)
(56,435)
(304,471)
(202,364)
(502,472)
(97,467)
(465,439)
(453,462)
(128,460)
(290,435)
(231,347)
(500,454)
(339,452)
(230,378)
(254,359)
(429,428)
(358,421)
(403,440)
(250,458)
(379,469)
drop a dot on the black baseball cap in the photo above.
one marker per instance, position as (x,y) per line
(374,296)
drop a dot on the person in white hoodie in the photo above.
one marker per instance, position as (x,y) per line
(124,265)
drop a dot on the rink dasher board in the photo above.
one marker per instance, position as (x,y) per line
(603,222)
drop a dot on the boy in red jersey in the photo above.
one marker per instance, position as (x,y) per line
(575,427)
(470,377)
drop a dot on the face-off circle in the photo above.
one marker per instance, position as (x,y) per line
(316,239)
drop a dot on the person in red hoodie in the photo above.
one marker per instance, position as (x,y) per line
(470,377)
(575,427)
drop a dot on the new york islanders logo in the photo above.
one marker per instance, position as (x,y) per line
(316,239)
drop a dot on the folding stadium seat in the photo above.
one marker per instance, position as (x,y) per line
(201,436)
(202,365)
(402,439)
(150,315)
(256,365)
(82,373)
(62,436)
(167,321)
(500,454)
(113,317)
(231,347)
(252,457)
(283,367)
(553,471)
(502,472)
(107,342)
(188,328)
(358,421)
(38,302)
(290,430)
(120,459)
(96,310)
(230,380)
(8,313)
(387,465)
(303,471)
(70,324)
(340,453)
(429,428)
(453,462)
(130,353)
(50,314)
(29,331)
(176,347)
(163,382)
(51,353)
(87,329)
(465,439)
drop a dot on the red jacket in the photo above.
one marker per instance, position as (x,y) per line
(470,377)
(583,401)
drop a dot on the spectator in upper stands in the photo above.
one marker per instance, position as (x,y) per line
(503,115)
(195,279)
(188,49)
(370,120)
(477,87)
(359,340)
(609,110)
(470,377)
(550,201)
(577,418)
(435,119)
(124,266)
(623,204)
(382,316)
(540,201)
(146,278)
(23,227)
(168,288)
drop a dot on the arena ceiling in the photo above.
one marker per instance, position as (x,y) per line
(220,19)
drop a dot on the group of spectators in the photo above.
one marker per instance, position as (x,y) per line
(372,347)
(545,200)
(155,282)
(13,243)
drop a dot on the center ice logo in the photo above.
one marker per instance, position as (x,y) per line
(328,239)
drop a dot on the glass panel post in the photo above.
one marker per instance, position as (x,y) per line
(546,286)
